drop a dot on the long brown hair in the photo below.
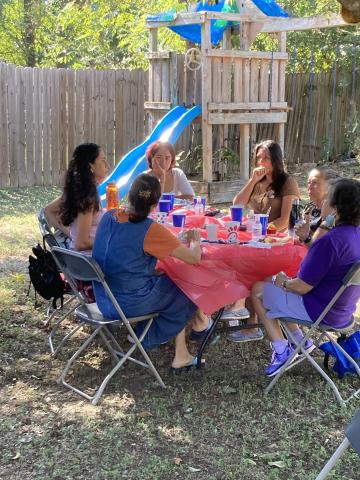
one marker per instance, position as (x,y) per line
(279,176)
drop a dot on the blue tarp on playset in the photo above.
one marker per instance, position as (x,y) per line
(193,32)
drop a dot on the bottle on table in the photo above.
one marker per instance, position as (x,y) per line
(257,229)
(295,217)
(199,207)
(112,196)
(250,221)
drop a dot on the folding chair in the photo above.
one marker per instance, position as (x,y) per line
(51,242)
(81,267)
(45,229)
(351,278)
(352,437)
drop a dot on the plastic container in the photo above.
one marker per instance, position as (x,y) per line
(257,229)
(237,213)
(250,221)
(112,196)
(199,206)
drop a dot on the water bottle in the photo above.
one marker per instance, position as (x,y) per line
(257,229)
(198,206)
(295,217)
(250,221)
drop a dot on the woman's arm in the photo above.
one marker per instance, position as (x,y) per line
(52,215)
(244,195)
(295,285)
(83,230)
(159,173)
(282,222)
(191,255)
(182,185)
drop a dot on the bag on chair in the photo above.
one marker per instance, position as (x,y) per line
(351,345)
(45,276)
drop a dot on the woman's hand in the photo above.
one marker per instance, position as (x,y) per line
(193,235)
(258,173)
(157,169)
(280,279)
(302,229)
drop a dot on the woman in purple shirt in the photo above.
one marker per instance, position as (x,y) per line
(320,276)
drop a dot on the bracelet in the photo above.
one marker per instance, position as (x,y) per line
(273,279)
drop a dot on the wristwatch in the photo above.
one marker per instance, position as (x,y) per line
(307,239)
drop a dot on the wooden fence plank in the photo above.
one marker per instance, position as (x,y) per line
(63,125)
(70,95)
(110,111)
(4,132)
(47,127)
(29,125)
(13,123)
(55,111)
(38,133)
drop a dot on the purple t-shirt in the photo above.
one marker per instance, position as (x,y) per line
(324,267)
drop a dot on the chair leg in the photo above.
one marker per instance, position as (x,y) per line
(56,327)
(54,312)
(300,347)
(335,457)
(206,340)
(125,356)
(72,360)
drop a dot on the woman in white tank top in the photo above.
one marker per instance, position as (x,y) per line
(162,161)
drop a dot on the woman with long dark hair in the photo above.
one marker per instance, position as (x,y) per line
(127,246)
(270,188)
(77,212)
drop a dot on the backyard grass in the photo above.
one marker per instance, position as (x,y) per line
(214,424)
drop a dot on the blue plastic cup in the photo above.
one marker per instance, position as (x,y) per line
(164,206)
(179,219)
(169,196)
(236,213)
(264,219)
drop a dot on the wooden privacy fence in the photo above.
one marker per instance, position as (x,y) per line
(45,113)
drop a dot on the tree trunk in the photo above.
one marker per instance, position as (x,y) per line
(350,10)
(29,33)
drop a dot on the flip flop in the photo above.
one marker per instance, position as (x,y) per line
(186,368)
(200,335)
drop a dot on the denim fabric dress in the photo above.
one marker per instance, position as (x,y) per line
(130,274)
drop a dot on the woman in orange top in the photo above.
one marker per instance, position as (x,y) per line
(127,246)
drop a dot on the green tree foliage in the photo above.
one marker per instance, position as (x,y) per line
(112,33)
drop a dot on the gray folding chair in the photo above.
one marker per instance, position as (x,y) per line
(51,242)
(81,267)
(352,437)
(45,228)
(351,278)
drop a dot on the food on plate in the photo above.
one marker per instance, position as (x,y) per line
(271,229)
(277,240)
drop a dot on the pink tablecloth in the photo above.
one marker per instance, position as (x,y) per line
(227,272)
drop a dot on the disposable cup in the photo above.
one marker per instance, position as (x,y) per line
(178,219)
(169,196)
(161,217)
(232,229)
(264,219)
(164,206)
(211,230)
(237,213)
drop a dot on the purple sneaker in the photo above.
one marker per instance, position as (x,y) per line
(278,360)
(309,347)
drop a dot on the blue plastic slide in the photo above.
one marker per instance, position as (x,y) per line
(133,163)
